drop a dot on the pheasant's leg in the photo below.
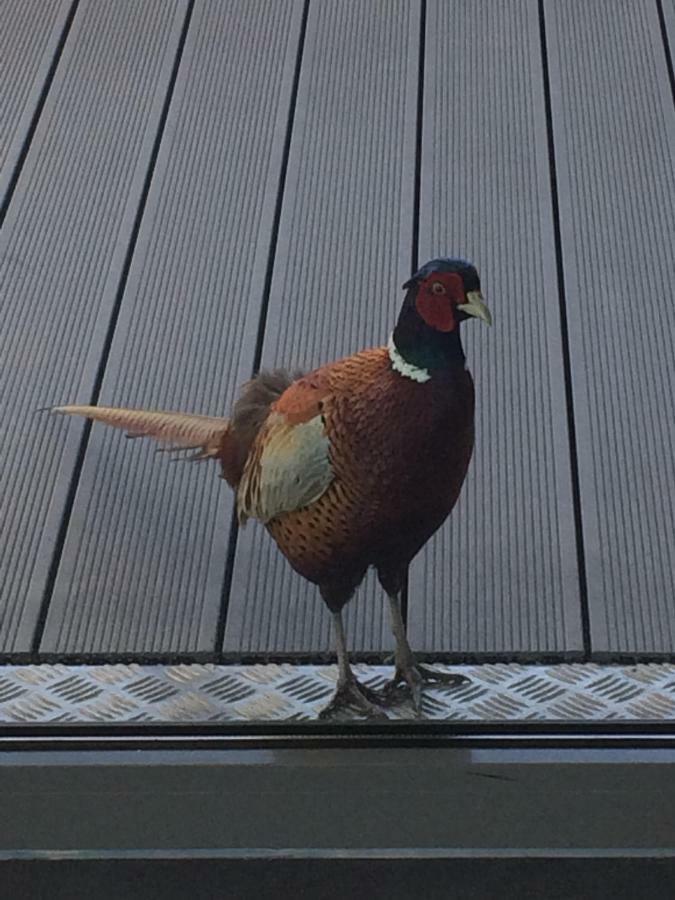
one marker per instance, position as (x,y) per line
(350,695)
(411,675)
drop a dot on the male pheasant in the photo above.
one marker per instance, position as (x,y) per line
(355,464)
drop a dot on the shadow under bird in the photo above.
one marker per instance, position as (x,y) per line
(353,465)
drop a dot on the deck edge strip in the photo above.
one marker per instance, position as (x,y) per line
(207,693)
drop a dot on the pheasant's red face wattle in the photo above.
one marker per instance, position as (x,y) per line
(437,298)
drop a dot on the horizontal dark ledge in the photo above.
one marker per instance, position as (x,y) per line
(217,736)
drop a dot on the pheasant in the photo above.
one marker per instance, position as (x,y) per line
(353,465)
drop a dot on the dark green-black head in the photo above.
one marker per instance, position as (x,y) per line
(440,295)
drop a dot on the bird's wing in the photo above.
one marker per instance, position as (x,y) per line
(289,465)
(180,430)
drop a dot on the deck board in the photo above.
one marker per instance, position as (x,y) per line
(63,245)
(614,127)
(345,245)
(668,7)
(144,559)
(29,38)
(501,575)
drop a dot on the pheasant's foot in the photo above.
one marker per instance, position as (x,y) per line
(353,697)
(433,676)
(409,680)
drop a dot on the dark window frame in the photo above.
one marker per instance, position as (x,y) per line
(568,803)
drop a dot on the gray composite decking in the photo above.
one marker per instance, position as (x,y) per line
(199,188)
(508,555)
(64,244)
(615,158)
(29,38)
(185,338)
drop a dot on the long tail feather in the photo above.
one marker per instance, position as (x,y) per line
(182,430)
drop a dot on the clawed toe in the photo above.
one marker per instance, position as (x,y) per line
(408,682)
(353,697)
(433,676)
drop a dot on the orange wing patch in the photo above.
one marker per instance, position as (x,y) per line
(304,399)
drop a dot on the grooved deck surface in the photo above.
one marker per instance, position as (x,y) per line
(501,574)
(144,560)
(345,237)
(202,187)
(668,7)
(30,32)
(63,246)
(617,189)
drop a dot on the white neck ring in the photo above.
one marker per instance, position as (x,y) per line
(400,365)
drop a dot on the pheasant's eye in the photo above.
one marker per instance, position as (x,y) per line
(437,288)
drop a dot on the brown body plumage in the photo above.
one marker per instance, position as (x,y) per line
(399,453)
(355,464)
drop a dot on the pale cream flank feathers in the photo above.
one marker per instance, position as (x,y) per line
(292,471)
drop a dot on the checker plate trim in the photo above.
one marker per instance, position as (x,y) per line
(39,694)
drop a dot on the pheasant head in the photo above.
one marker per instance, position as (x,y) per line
(440,296)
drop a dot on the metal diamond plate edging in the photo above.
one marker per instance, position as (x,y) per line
(246,693)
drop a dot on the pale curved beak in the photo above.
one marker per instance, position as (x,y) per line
(475,306)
